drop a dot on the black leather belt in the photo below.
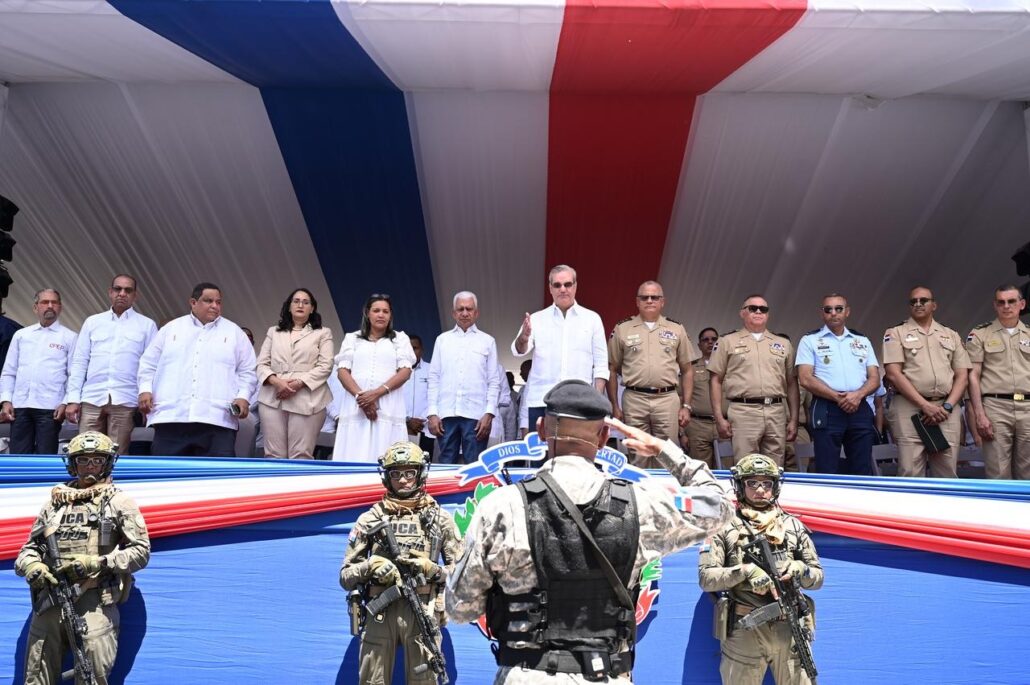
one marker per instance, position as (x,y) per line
(934,399)
(652,391)
(1017,396)
(756,400)
(703,417)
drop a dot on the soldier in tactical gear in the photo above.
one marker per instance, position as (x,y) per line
(102,540)
(430,545)
(722,566)
(555,561)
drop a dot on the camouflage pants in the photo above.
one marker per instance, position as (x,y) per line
(379,643)
(747,654)
(47,643)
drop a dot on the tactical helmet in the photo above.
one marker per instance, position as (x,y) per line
(752,465)
(400,455)
(90,442)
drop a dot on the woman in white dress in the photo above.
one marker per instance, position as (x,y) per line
(374,363)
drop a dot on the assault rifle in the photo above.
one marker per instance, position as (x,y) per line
(790,605)
(410,581)
(75,627)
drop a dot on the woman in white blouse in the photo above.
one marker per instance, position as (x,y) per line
(374,363)
(292,370)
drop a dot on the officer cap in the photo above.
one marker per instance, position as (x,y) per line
(576,399)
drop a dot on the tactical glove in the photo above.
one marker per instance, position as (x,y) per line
(78,567)
(759,581)
(795,568)
(38,576)
(420,564)
(383,571)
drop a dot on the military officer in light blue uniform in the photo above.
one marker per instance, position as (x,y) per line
(838,366)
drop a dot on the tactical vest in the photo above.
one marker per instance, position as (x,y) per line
(413,532)
(572,622)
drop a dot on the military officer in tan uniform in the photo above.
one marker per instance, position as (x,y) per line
(754,369)
(700,432)
(929,368)
(102,540)
(999,387)
(428,539)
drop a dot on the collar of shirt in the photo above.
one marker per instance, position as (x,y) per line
(825,330)
(639,321)
(911,324)
(577,475)
(556,313)
(471,329)
(196,322)
(55,327)
(997,325)
(126,315)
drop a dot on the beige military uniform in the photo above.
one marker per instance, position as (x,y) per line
(758,371)
(701,431)
(649,361)
(397,625)
(1005,370)
(497,541)
(101,521)
(747,654)
(790,459)
(929,361)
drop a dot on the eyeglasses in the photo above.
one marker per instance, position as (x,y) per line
(567,285)
(379,296)
(396,474)
(756,484)
(83,460)
(835,308)
(297,300)
(1012,302)
(650,298)
(709,338)
(128,290)
(756,308)
(916,301)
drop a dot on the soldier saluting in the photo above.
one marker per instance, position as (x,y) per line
(409,518)
(101,539)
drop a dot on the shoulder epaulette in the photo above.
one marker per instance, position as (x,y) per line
(628,318)
(985,324)
(900,323)
(858,333)
(673,321)
(812,332)
(730,333)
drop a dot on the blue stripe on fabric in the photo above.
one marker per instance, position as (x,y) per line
(1009,490)
(342,128)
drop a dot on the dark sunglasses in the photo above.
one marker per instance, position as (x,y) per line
(835,308)
(567,285)
(919,301)
(756,308)
(379,296)
(128,290)
(1010,302)
(649,298)
(709,339)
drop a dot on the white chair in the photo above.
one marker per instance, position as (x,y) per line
(724,453)
(885,460)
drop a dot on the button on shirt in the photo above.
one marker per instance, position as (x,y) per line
(563,347)
(35,374)
(416,394)
(105,364)
(839,363)
(463,378)
(196,370)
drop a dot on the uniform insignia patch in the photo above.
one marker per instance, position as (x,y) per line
(1024,343)
(777,346)
(666,335)
(969,338)
(887,337)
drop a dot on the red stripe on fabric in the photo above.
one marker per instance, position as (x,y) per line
(192,517)
(626,77)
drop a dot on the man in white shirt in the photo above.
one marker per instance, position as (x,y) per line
(196,378)
(416,399)
(102,391)
(463,384)
(567,342)
(35,378)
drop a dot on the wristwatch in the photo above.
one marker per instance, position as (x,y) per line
(948,407)
(688,407)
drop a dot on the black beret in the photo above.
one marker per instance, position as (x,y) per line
(577,400)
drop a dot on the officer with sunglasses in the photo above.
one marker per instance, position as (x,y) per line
(102,540)
(838,366)
(754,369)
(929,368)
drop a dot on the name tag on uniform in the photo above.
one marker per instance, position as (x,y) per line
(994,345)
(741,349)
(911,337)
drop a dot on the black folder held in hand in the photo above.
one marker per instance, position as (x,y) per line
(932,436)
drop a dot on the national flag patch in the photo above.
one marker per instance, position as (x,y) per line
(887,337)
(969,338)
(683,502)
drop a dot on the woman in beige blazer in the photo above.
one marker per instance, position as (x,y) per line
(292,369)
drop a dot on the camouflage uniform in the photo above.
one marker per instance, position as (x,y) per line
(396,625)
(746,654)
(80,517)
(498,551)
